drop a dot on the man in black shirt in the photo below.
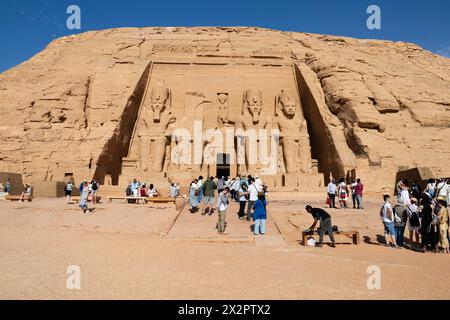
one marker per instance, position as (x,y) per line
(325,224)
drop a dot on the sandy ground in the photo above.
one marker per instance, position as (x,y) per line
(136,252)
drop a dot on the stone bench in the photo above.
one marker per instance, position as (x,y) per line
(17,198)
(354,235)
(145,199)
(77,198)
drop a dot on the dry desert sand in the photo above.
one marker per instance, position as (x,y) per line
(137,252)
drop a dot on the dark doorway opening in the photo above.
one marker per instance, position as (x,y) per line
(223,165)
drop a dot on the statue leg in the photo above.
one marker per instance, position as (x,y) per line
(290,154)
(251,156)
(158,152)
(144,152)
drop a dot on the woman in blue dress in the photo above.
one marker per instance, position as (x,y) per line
(193,196)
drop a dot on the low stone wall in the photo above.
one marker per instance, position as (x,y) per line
(16,182)
(51,189)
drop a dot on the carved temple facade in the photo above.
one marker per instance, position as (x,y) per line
(214,117)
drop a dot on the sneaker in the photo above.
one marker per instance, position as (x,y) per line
(333,245)
(224,233)
(319,245)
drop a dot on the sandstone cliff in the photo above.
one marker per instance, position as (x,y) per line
(373,107)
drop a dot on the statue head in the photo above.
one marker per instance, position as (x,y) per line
(287,103)
(253,100)
(159,97)
(223,97)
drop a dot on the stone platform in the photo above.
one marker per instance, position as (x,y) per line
(201,228)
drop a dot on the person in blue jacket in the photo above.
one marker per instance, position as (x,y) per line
(260,215)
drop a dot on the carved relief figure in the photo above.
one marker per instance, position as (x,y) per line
(222,105)
(293,133)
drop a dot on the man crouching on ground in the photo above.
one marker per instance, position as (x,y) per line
(325,224)
(222,206)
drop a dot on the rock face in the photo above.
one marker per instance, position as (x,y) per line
(105,105)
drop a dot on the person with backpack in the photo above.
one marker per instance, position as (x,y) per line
(429,228)
(400,219)
(342,193)
(68,191)
(94,191)
(209,187)
(387,217)
(413,222)
(260,215)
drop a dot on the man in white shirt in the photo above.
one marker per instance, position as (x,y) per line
(387,217)
(235,187)
(331,190)
(200,189)
(252,197)
(441,189)
(258,184)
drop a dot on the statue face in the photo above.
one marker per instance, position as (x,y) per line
(289,108)
(288,105)
(254,102)
(158,101)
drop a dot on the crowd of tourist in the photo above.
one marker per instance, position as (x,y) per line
(341,191)
(249,192)
(423,213)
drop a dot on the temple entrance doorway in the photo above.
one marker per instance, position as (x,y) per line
(223,165)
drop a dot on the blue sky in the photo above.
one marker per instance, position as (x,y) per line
(27,26)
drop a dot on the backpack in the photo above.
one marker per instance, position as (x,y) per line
(94,186)
(414,220)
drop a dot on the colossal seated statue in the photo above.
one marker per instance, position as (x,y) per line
(294,136)
(156,130)
(252,120)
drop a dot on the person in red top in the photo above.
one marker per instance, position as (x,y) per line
(143,191)
(359,193)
